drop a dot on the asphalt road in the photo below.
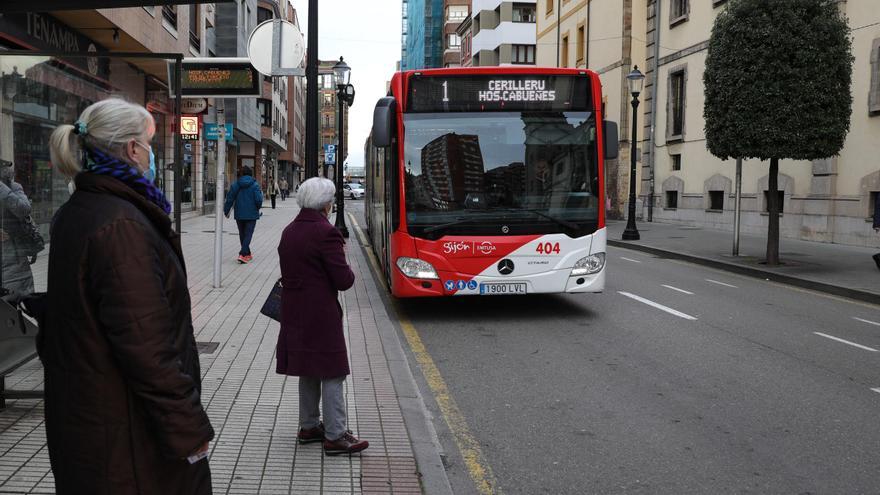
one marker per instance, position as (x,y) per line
(678,379)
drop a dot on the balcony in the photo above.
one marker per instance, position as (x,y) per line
(195,41)
(170,15)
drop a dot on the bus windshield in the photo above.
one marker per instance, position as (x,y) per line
(501,173)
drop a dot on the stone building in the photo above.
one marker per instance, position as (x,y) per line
(828,200)
(605,36)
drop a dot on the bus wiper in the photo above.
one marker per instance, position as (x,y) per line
(559,221)
(458,221)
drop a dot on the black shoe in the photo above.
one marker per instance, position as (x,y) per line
(877,260)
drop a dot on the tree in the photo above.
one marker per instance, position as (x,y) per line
(777,84)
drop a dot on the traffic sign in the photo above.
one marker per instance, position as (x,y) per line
(330,154)
(288,48)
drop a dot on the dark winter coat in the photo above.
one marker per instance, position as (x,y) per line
(245,196)
(877,210)
(122,382)
(313,270)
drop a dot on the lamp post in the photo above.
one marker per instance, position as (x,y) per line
(343,73)
(635,80)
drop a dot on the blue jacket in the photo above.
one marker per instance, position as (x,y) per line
(247,198)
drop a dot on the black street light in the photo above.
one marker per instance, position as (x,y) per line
(343,73)
(635,80)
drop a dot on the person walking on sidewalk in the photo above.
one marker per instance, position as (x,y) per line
(284,188)
(247,199)
(273,191)
(311,344)
(122,379)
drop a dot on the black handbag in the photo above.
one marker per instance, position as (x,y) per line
(272,306)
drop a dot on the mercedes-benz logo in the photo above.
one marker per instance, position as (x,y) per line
(505,229)
(505,267)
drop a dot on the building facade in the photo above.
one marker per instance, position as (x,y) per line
(291,162)
(423,44)
(328,123)
(465,33)
(454,13)
(828,200)
(503,33)
(605,36)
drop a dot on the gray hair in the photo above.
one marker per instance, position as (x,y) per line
(316,193)
(107,125)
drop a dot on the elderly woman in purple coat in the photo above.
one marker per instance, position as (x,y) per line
(311,344)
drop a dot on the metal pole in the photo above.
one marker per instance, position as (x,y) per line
(178,157)
(737,206)
(219,192)
(312,144)
(340,157)
(632,233)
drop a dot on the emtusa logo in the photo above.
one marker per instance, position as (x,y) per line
(486,248)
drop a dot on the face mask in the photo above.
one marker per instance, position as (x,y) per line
(151,173)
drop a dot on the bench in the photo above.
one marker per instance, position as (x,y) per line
(17,347)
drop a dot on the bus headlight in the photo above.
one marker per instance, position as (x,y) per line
(416,268)
(589,265)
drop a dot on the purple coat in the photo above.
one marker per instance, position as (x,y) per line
(313,270)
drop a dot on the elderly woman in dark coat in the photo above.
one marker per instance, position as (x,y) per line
(311,344)
(123,409)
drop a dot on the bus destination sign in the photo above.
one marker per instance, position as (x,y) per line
(501,92)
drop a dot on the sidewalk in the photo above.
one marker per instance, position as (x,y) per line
(833,268)
(255,411)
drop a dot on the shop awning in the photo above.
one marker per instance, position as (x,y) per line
(19,6)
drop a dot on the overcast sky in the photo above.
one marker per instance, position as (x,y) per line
(367,34)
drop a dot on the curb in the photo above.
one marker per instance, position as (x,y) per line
(832,289)
(426,445)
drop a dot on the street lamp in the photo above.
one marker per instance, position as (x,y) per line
(635,80)
(342,74)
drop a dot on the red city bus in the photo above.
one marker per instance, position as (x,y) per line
(489,181)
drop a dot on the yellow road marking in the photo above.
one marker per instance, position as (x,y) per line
(467,444)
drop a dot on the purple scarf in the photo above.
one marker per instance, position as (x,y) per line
(101,163)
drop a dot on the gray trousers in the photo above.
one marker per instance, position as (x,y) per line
(311,391)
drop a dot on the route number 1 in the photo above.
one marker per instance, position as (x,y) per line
(445,91)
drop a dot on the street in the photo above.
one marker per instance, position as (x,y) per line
(677,379)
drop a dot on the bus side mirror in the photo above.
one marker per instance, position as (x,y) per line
(609,133)
(384,118)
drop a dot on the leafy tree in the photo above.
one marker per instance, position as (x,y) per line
(777,85)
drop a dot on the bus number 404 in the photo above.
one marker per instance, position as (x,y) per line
(548,248)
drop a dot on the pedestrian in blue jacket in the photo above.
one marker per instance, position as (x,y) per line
(246,198)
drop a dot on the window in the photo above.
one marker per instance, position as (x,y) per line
(264,15)
(550,6)
(328,99)
(676,104)
(874,91)
(456,13)
(671,200)
(523,13)
(716,200)
(676,162)
(265,107)
(169,13)
(678,11)
(581,45)
(779,194)
(565,51)
(523,54)
(454,41)
(195,19)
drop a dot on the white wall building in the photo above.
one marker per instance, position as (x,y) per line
(504,33)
